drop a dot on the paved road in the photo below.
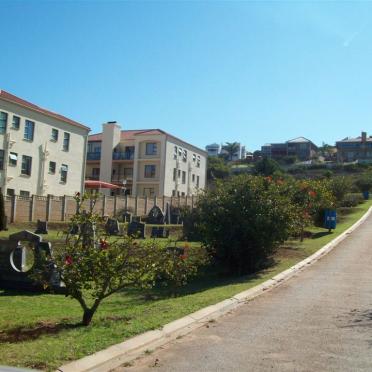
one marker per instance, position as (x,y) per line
(320,320)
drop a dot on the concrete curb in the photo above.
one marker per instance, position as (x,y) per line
(118,354)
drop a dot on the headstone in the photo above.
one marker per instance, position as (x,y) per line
(41,227)
(167,218)
(159,232)
(127,217)
(20,256)
(136,230)
(156,216)
(112,226)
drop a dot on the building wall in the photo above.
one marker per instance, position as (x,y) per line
(41,181)
(171,186)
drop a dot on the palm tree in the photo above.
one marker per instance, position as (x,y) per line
(231,148)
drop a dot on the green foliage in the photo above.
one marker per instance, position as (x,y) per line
(266,167)
(2,213)
(288,160)
(217,168)
(364,182)
(352,200)
(179,264)
(340,186)
(243,220)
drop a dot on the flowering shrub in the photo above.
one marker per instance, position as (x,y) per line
(243,220)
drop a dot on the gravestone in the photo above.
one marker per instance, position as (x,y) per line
(136,230)
(127,217)
(23,254)
(112,226)
(159,232)
(156,216)
(41,227)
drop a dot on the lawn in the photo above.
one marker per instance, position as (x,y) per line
(41,330)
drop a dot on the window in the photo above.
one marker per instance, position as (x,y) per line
(13,157)
(198,161)
(179,151)
(151,149)
(95,173)
(193,178)
(3,121)
(197,181)
(173,192)
(26,165)
(10,192)
(174,174)
(182,194)
(1,159)
(128,172)
(148,191)
(150,171)
(175,152)
(16,122)
(54,135)
(64,170)
(183,177)
(184,157)
(66,141)
(52,167)
(25,194)
(29,130)
(179,173)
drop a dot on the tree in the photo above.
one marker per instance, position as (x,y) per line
(2,213)
(266,167)
(93,268)
(217,168)
(231,148)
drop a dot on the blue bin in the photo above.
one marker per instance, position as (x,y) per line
(366,195)
(330,219)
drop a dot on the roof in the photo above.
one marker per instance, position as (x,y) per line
(357,139)
(299,140)
(21,102)
(127,135)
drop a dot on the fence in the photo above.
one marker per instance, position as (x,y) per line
(61,208)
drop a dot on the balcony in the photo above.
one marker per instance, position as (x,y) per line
(92,177)
(122,156)
(93,156)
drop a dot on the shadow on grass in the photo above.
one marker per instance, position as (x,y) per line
(320,234)
(28,333)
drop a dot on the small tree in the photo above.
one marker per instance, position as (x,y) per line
(93,268)
(266,167)
(2,213)
(231,148)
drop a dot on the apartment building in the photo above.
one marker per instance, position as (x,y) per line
(215,149)
(300,147)
(41,152)
(355,149)
(145,162)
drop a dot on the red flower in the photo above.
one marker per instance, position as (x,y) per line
(68,260)
(269,179)
(312,193)
(103,244)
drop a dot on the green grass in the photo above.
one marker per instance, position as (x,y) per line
(40,330)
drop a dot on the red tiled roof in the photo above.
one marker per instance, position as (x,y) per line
(19,101)
(127,134)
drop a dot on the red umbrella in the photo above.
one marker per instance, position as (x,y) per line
(90,184)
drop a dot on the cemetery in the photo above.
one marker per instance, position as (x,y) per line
(42,328)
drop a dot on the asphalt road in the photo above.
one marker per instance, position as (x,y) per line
(320,320)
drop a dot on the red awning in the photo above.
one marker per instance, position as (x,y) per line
(90,184)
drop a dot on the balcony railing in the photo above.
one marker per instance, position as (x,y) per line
(92,177)
(93,156)
(121,177)
(122,156)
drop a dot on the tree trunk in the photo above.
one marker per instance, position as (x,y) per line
(87,316)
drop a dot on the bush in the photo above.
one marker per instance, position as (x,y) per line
(340,186)
(266,167)
(243,220)
(352,200)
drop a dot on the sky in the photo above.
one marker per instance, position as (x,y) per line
(214,71)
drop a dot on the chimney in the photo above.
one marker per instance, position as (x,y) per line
(364,136)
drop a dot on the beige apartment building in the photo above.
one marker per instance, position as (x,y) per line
(41,152)
(145,162)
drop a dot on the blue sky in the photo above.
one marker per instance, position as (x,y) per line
(252,72)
